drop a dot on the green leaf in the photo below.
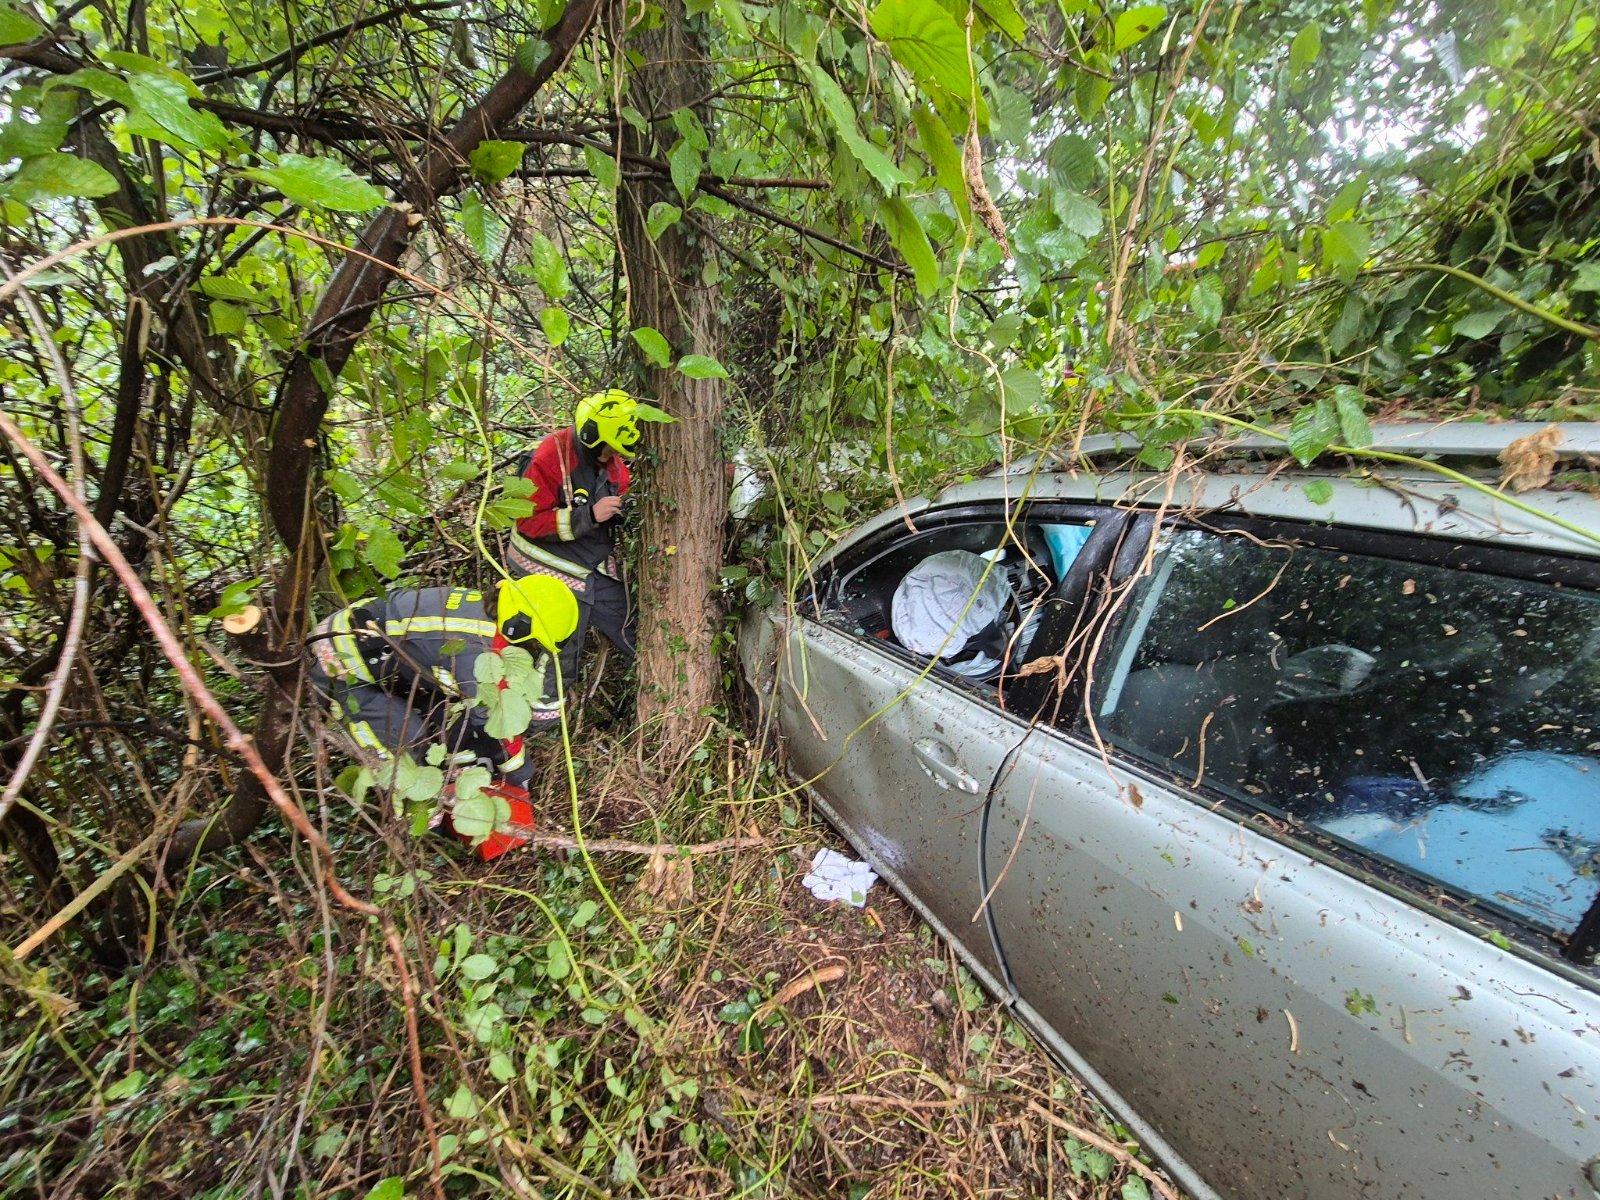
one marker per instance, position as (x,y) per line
(1205,301)
(226,287)
(161,110)
(1078,213)
(842,115)
(318,183)
(1133,26)
(56,174)
(911,240)
(690,130)
(478,966)
(129,1085)
(16,27)
(530,55)
(477,813)
(1348,325)
(926,40)
(1313,430)
(1347,199)
(645,411)
(486,232)
(23,138)
(1586,278)
(684,162)
(1092,87)
(653,346)
(384,550)
(1022,388)
(934,136)
(459,469)
(462,1105)
(1073,161)
(583,914)
(661,216)
(1134,1188)
(1004,16)
(1354,427)
(1305,48)
(1319,491)
(226,319)
(699,366)
(549,266)
(555,323)
(492,161)
(1479,324)
(602,166)
(392,1188)
(1344,247)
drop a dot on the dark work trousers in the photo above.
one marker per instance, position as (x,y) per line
(605,605)
(385,723)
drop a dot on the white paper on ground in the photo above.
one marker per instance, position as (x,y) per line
(835,877)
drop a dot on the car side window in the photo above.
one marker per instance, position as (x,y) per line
(1446,721)
(970,593)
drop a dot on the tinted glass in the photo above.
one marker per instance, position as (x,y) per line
(1443,720)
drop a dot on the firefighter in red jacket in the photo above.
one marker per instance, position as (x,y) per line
(580,476)
(405,673)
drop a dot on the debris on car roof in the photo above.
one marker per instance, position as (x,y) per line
(1423,439)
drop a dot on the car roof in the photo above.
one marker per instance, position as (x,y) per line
(1424,439)
(1254,475)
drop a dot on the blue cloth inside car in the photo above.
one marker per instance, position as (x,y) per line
(1066,542)
(1523,830)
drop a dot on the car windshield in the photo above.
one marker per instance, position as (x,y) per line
(1442,720)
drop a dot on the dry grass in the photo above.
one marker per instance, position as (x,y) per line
(748,1040)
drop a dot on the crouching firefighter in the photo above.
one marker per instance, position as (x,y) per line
(404,675)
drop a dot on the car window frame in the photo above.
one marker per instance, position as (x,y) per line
(1573,955)
(1109,524)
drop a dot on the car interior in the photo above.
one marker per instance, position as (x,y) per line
(1020,569)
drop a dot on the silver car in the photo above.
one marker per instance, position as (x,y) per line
(1269,798)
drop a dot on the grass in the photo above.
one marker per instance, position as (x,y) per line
(721,1033)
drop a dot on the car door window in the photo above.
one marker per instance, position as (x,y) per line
(969,595)
(1444,720)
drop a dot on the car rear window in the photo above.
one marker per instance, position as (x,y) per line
(1443,720)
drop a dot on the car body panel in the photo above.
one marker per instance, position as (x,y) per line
(1205,967)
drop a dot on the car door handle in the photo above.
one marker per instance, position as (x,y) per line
(939,761)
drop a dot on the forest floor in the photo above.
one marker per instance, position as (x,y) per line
(590,1024)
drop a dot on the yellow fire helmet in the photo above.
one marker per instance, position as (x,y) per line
(537,608)
(608,419)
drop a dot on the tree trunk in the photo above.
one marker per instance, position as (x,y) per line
(681,541)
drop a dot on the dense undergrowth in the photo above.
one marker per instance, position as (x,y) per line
(604,1023)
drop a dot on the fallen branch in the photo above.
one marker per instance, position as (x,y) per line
(814,977)
(83,899)
(560,841)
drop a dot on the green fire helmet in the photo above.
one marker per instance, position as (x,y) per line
(607,419)
(537,608)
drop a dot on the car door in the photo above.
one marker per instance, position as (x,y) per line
(1289,1014)
(900,753)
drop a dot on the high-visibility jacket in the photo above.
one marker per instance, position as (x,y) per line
(561,537)
(423,646)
